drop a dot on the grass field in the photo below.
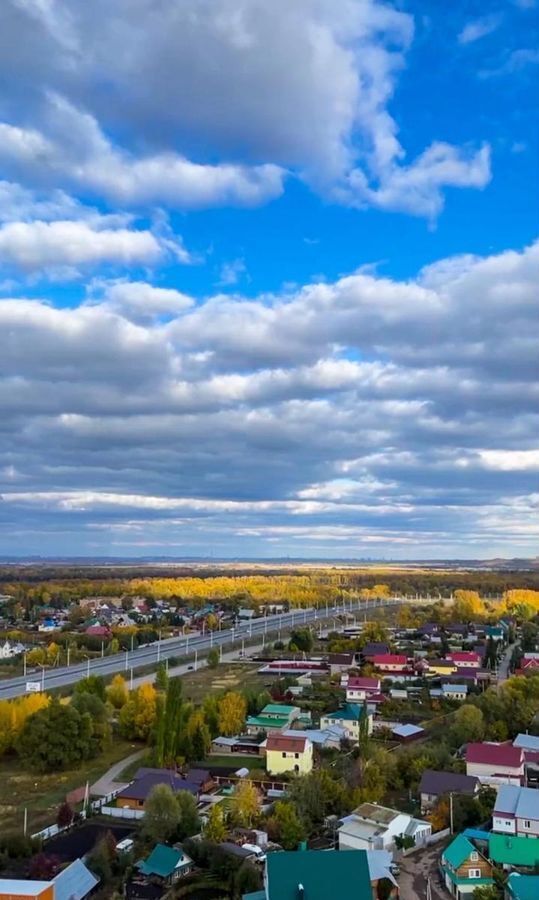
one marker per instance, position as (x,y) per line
(42,794)
(226,677)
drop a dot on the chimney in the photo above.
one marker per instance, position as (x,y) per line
(300,892)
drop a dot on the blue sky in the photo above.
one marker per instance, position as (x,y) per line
(268,278)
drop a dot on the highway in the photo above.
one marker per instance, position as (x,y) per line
(187,646)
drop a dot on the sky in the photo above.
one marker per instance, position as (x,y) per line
(268,278)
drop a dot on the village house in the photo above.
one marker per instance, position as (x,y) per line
(288,753)
(314,875)
(374,827)
(359,688)
(495,763)
(513,852)
(522,887)
(75,881)
(348,718)
(274,717)
(465,659)
(434,785)
(405,733)
(516,811)
(165,864)
(340,662)
(9,650)
(464,868)
(372,649)
(390,663)
(134,796)
(454,691)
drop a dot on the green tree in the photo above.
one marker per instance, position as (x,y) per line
(287,825)
(486,892)
(169,724)
(93,705)
(247,880)
(215,828)
(189,819)
(469,725)
(94,684)
(213,658)
(210,708)
(162,814)
(55,738)
(161,677)
(302,639)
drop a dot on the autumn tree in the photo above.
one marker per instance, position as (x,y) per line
(245,804)
(65,815)
(215,828)
(232,712)
(117,693)
(137,716)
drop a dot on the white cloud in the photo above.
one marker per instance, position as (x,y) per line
(516,61)
(38,245)
(308,91)
(231,272)
(510,460)
(479,28)
(139,300)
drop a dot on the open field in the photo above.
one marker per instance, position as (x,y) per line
(226,677)
(42,794)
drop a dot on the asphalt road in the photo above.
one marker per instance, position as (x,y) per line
(185,646)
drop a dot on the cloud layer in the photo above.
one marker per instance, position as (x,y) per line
(137,113)
(362,416)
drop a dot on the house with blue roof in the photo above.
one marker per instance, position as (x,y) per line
(516,811)
(522,887)
(348,717)
(165,864)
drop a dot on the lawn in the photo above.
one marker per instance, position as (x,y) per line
(41,795)
(226,677)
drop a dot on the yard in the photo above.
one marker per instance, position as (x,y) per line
(41,795)
(226,677)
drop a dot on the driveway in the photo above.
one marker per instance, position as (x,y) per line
(415,870)
(107,783)
(503,668)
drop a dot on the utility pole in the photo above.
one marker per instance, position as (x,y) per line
(131,681)
(451,812)
(196,659)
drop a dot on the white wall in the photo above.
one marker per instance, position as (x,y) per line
(504,825)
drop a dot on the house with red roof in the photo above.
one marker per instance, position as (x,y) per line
(495,763)
(359,688)
(465,659)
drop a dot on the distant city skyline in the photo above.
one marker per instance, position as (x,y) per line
(268,279)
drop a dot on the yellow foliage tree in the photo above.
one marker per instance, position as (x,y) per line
(467,605)
(52,653)
(232,712)
(245,804)
(117,693)
(36,657)
(13,715)
(138,715)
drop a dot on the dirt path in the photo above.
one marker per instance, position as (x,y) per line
(415,871)
(107,783)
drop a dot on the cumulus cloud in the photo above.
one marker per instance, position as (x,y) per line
(308,91)
(351,413)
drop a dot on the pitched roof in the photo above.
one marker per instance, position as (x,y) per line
(74,882)
(17,887)
(526,742)
(521,802)
(523,887)
(458,851)
(388,659)
(374,647)
(351,712)
(286,743)
(318,871)
(140,788)
(365,684)
(162,861)
(341,659)
(494,755)
(278,709)
(433,782)
(464,656)
(515,851)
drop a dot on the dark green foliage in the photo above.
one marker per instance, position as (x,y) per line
(94,684)
(55,738)
(169,724)
(93,705)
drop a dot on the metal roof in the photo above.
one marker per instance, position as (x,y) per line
(522,887)
(521,802)
(319,872)
(407,730)
(74,882)
(515,851)
(22,887)
(433,782)
(526,742)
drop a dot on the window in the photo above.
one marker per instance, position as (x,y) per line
(284,755)
(474,856)
(527,824)
(474,873)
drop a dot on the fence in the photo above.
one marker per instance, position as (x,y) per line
(120,812)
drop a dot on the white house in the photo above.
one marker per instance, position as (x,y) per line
(373,827)
(516,811)
(348,718)
(454,691)
(495,763)
(9,650)
(359,689)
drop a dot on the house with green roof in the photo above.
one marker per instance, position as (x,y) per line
(522,887)
(514,852)
(464,868)
(348,717)
(316,875)
(165,864)
(274,717)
